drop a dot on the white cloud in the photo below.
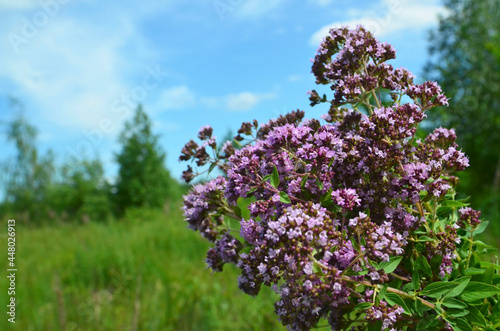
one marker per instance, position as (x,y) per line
(71,76)
(73,68)
(166,126)
(178,97)
(294,78)
(242,101)
(182,97)
(73,71)
(391,17)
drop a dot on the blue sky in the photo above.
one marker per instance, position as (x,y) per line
(80,67)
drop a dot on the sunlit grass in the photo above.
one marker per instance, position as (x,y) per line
(146,272)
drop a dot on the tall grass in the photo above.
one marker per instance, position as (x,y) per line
(145,272)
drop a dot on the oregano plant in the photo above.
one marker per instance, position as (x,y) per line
(352,219)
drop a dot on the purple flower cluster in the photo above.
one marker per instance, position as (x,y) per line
(442,137)
(469,217)
(202,208)
(330,203)
(225,251)
(356,50)
(385,313)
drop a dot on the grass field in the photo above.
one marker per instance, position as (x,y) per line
(145,272)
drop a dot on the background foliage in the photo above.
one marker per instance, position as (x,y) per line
(465,61)
(143,180)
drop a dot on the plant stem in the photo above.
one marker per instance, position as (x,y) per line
(401,277)
(376,99)
(471,242)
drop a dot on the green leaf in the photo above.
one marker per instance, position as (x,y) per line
(454,203)
(488,264)
(320,184)
(326,199)
(285,198)
(394,299)
(473,271)
(395,283)
(253,189)
(374,264)
(266,178)
(275,178)
(436,263)
(243,204)
(453,312)
(363,241)
(453,303)
(212,166)
(463,282)
(383,291)
(355,244)
(391,265)
(481,227)
(317,269)
(415,279)
(424,266)
(419,308)
(237,211)
(437,289)
(407,287)
(377,326)
(476,291)
(487,276)
(363,305)
(460,325)
(475,317)
(426,322)
(487,247)
(304,180)
(424,238)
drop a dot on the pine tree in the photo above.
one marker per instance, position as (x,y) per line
(143,180)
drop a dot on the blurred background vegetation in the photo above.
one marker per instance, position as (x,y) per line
(465,60)
(96,254)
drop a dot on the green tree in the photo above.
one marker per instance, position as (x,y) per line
(143,180)
(465,61)
(82,192)
(27,175)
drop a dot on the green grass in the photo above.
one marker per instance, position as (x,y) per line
(145,272)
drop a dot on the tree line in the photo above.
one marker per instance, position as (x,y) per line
(37,190)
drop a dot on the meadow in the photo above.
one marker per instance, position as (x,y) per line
(143,272)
